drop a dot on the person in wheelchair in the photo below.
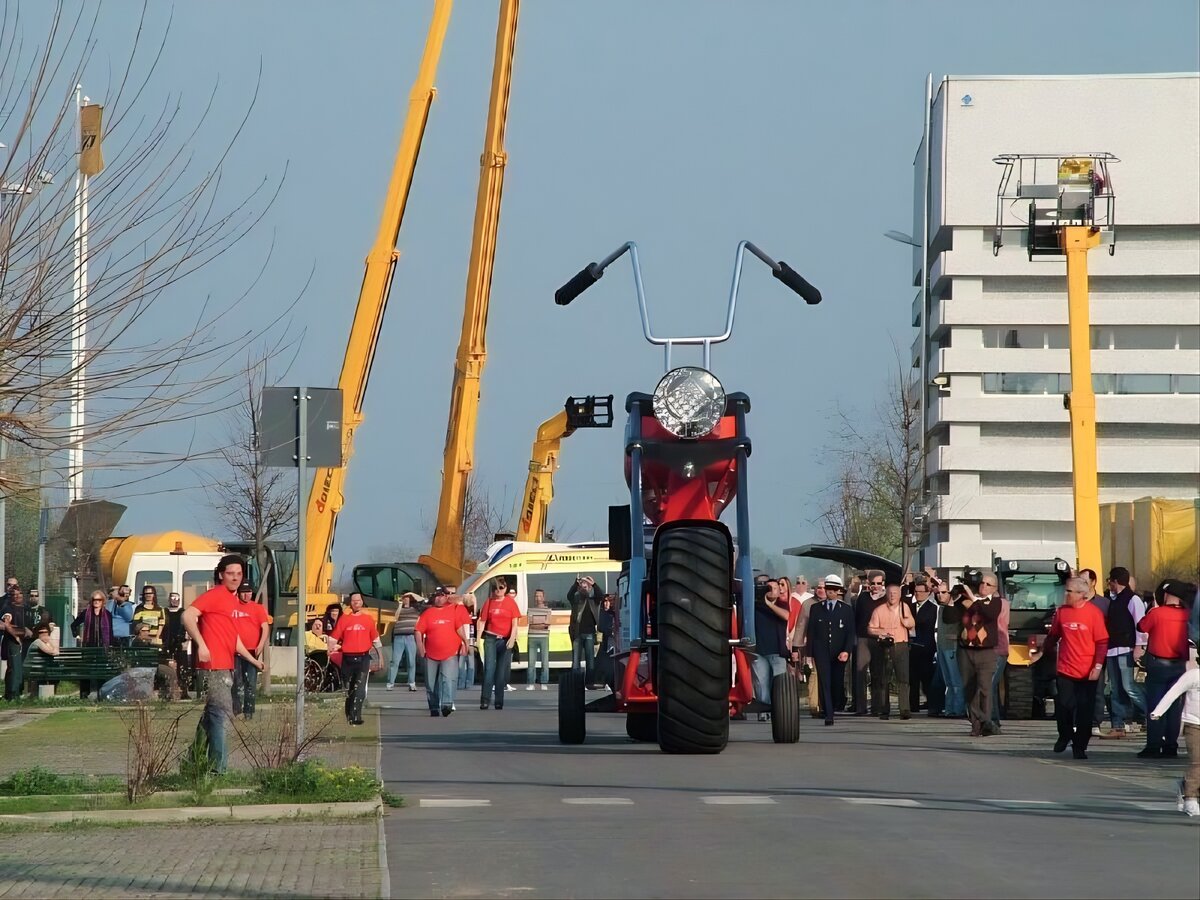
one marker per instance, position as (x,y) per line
(321,672)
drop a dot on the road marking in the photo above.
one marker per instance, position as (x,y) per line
(598,801)
(1160,806)
(1022,802)
(736,800)
(881,801)
(452,802)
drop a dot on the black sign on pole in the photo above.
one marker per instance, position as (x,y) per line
(279,427)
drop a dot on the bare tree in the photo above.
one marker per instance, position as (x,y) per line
(878,462)
(482,518)
(155,219)
(251,501)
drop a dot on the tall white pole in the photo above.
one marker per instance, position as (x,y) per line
(78,332)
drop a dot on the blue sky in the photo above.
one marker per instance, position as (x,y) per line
(685,126)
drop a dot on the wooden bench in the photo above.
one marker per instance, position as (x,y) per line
(87,663)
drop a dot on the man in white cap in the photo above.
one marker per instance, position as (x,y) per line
(829,641)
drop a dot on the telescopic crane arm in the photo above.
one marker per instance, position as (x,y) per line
(446,557)
(578,412)
(326,498)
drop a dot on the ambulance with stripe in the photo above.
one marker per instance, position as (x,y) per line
(553,568)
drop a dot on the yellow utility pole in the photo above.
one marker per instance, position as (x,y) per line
(1077,240)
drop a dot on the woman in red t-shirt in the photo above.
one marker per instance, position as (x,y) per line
(1164,661)
(497,628)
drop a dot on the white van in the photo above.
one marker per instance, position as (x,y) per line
(553,568)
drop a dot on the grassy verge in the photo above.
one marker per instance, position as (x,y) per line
(94,740)
(307,782)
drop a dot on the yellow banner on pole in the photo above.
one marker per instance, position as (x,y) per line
(90,160)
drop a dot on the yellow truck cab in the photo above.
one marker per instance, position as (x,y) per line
(528,566)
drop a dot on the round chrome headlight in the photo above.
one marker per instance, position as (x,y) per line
(689,402)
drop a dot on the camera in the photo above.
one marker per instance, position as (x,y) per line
(885,640)
(760,591)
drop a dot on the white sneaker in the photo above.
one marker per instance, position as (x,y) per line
(391,687)
(545,687)
(1132,727)
(1096,731)
(1191,806)
(509,687)
(529,687)
(453,707)
(412,687)
(1179,801)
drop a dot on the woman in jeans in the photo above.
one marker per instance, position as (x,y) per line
(1165,660)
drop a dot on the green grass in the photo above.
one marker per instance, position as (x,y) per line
(307,782)
(39,781)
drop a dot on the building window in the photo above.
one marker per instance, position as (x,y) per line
(1027,337)
(1145,337)
(1185,384)
(1043,383)
(1025,383)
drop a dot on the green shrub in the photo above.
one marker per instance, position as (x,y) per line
(313,782)
(40,782)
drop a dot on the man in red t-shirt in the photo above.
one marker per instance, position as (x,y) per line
(498,629)
(253,625)
(210,622)
(441,633)
(1081,636)
(356,636)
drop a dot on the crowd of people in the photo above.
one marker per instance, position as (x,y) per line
(944,648)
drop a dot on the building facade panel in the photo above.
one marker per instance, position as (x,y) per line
(997,431)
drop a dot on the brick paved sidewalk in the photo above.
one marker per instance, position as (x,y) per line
(325,858)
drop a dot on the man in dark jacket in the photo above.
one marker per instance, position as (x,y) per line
(176,644)
(873,595)
(585,606)
(1125,646)
(829,641)
(16,633)
(922,658)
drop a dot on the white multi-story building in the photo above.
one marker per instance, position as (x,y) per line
(998,470)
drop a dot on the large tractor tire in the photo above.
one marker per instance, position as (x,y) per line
(785,709)
(694,567)
(572,726)
(642,726)
(1018,692)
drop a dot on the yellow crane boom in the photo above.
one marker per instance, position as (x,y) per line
(446,556)
(326,497)
(578,412)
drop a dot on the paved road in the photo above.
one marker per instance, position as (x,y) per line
(863,809)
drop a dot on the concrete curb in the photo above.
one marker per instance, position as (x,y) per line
(201,813)
(385,875)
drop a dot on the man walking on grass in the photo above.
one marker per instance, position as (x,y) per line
(210,622)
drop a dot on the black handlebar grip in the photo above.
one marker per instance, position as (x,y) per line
(584,279)
(796,282)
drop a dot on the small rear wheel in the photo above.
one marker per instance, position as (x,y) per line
(785,709)
(642,726)
(314,676)
(572,727)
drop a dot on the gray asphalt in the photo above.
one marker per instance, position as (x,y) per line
(862,809)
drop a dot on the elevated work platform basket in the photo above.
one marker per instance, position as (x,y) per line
(1052,191)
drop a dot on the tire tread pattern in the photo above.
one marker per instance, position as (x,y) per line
(694,568)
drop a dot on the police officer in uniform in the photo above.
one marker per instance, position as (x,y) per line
(829,641)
